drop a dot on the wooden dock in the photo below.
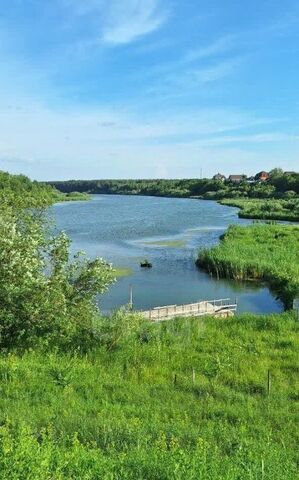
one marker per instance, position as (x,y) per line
(218,308)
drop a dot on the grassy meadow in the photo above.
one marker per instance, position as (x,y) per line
(266,252)
(186,399)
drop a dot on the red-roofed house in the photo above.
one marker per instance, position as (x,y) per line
(262,176)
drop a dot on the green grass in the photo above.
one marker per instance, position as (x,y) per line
(258,252)
(167,243)
(118,413)
(266,209)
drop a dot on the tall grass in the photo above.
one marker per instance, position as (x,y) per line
(273,209)
(258,252)
(186,399)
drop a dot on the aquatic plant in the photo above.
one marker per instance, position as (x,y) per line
(265,252)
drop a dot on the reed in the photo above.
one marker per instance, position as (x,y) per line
(272,209)
(264,252)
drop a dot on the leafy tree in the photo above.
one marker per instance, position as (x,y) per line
(43,293)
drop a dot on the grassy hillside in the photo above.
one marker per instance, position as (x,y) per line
(258,252)
(186,399)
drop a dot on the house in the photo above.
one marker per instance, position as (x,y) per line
(251,179)
(262,176)
(219,177)
(237,178)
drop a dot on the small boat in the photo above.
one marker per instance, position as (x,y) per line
(145,264)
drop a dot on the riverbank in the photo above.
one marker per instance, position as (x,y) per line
(202,398)
(258,252)
(280,185)
(277,199)
(265,209)
(73,197)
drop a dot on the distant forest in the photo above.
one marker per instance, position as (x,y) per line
(279,185)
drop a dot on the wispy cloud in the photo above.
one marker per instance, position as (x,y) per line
(219,46)
(186,79)
(252,139)
(203,75)
(126,20)
(104,143)
(193,68)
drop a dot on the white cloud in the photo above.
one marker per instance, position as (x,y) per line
(221,45)
(126,20)
(48,144)
(121,21)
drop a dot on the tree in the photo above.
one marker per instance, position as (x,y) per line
(44,295)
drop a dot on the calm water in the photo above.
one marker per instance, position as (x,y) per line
(124,229)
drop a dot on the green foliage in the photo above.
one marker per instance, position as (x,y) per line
(261,251)
(267,209)
(43,293)
(76,196)
(276,186)
(116,413)
(18,192)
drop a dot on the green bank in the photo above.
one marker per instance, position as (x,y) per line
(212,399)
(261,252)
(274,209)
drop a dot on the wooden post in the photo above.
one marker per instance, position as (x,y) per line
(269,383)
(175,378)
(131,298)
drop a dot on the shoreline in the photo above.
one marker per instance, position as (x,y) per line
(242,255)
(241,203)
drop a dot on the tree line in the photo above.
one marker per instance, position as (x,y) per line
(279,185)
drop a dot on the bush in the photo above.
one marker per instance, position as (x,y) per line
(42,293)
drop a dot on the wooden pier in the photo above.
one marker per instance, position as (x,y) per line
(218,308)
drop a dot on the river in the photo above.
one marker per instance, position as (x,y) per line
(168,232)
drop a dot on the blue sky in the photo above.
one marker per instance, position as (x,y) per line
(148,88)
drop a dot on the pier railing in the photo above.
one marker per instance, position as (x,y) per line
(223,307)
